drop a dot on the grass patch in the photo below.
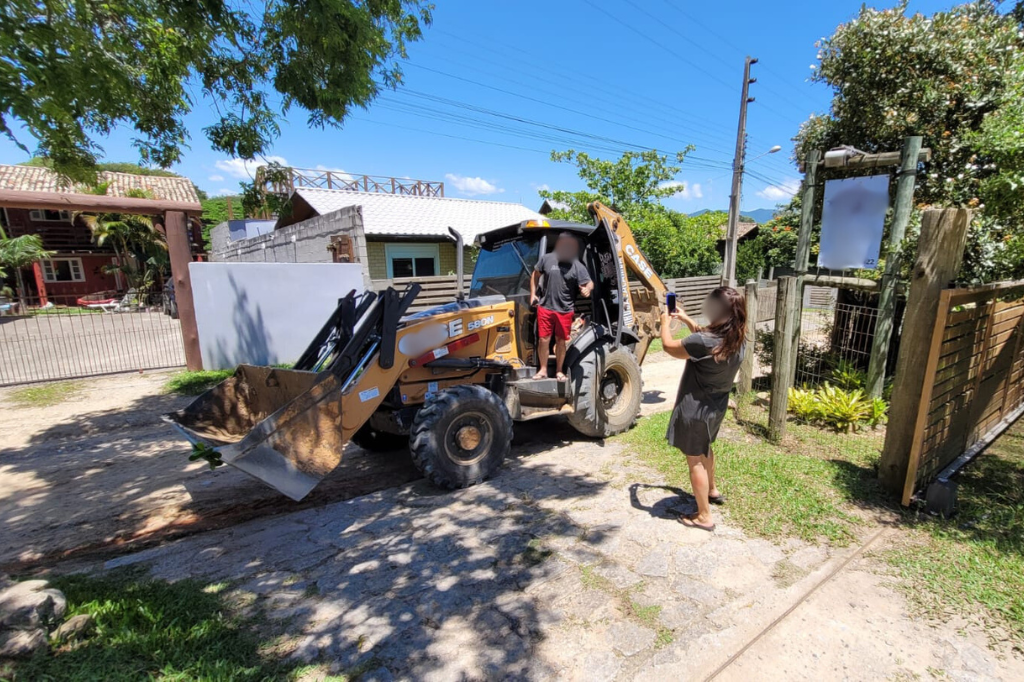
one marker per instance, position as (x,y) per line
(45,395)
(971,565)
(976,557)
(777,491)
(194,383)
(646,615)
(150,629)
(60,310)
(656,345)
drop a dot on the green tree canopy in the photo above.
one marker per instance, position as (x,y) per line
(953,78)
(634,185)
(74,70)
(17,253)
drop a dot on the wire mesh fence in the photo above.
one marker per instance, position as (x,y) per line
(831,359)
(835,345)
(68,337)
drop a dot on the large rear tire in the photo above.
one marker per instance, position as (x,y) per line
(608,389)
(461,436)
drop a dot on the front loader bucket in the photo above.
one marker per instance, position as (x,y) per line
(280,426)
(285,426)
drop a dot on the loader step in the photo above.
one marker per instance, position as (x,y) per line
(541,392)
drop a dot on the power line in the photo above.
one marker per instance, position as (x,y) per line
(576,76)
(678,56)
(548,104)
(646,37)
(714,138)
(725,41)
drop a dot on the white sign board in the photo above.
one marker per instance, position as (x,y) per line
(852,221)
(265,313)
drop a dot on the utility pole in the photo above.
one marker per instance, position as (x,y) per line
(729,268)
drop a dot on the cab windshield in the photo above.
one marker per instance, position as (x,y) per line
(505,270)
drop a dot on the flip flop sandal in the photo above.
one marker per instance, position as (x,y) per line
(561,377)
(718,499)
(690,523)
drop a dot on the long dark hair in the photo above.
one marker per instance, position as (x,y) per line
(732,329)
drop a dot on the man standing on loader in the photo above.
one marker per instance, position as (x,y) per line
(563,274)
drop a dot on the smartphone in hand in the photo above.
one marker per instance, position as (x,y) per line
(670,302)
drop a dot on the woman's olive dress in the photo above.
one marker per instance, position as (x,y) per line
(703,395)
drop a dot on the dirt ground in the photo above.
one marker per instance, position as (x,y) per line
(565,566)
(102,472)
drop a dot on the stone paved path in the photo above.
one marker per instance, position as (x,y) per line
(565,566)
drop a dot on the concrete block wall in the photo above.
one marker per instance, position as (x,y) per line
(304,242)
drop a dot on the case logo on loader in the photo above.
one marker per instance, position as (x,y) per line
(635,256)
(624,298)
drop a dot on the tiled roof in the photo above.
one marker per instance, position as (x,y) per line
(33,179)
(742,229)
(416,216)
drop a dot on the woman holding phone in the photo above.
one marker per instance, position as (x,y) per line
(713,354)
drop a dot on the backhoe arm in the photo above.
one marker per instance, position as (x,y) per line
(644,303)
(629,251)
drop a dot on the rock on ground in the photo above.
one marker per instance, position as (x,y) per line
(21,643)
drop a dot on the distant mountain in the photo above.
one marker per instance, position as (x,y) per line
(760,215)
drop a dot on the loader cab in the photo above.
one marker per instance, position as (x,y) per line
(508,255)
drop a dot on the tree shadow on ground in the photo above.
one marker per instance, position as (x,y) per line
(192,638)
(110,481)
(431,584)
(252,342)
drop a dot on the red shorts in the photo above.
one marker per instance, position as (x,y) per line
(551,323)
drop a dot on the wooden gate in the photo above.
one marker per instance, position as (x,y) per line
(973,380)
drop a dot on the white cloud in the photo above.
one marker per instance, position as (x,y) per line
(542,187)
(472,187)
(224,191)
(216,178)
(684,190)
(780,192)
(245,170)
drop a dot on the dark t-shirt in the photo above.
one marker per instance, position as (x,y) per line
(561,282)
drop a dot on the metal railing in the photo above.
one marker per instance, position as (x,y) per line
(290,179)
(67,337)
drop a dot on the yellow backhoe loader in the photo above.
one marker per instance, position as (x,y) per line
(448,382)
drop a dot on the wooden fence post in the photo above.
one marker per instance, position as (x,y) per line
(747,368)
(905,183)
(787,315)
(180,253)
(808,201)
(940,253)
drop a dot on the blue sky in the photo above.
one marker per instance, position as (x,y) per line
(647,73)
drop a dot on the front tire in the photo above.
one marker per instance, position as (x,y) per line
(461,436)
(608,389)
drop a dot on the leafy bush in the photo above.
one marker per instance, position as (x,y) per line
(803,403)
(848,376)
(838,408)
(843,410)
(879,412)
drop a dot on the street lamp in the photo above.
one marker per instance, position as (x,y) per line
(776,148)
(732,233)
